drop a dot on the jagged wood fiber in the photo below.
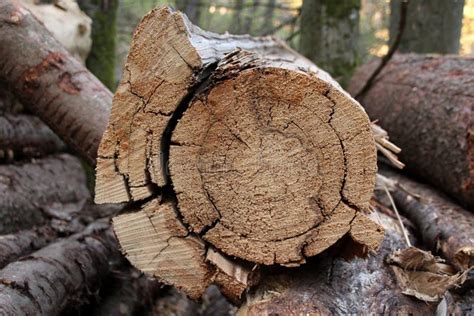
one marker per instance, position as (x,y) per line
(232,141)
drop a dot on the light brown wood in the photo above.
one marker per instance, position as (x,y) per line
(234,142)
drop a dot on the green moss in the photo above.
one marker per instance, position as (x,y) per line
(342,8)
(101,60)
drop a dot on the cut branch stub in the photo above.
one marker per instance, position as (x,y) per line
(270,161)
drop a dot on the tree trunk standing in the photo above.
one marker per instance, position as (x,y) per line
(425,103)
(236,24)
(101,60)
(267,24)
(52,83)
(432,26)
(329,35)
(192,9)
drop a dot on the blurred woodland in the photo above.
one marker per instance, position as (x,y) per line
(304,25)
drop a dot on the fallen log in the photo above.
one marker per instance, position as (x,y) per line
(26,136)
(8,103)
(125,291)
(65,272)
(22,243)
(425,104)
(331,285)
(444,226)
(263,174)
(176,303)
(32,191)
(50,82)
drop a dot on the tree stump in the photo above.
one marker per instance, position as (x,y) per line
(237,151)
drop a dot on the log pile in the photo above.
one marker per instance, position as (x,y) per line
(425,102)
(243,165)
(223,157)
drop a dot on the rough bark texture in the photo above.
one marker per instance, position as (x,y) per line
(24,242)
(218,116)
(126,291)
(432,26)
(329,35)
(26,136)
(65,272)
(425,103)
(50,82)
(329,285)
(177,304)
(8,103)
(32,190)
(444,226)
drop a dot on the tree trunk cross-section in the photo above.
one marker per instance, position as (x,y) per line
(234,142)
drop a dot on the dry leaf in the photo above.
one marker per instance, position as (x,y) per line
(422,275)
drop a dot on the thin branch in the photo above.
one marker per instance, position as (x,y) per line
(404,230)
(391,51)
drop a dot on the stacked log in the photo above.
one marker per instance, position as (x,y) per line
(184,118)
(425,102)
(225,164)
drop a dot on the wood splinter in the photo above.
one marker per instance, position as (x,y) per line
(241,151)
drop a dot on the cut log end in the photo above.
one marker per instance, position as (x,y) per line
(261,155)
(260,168)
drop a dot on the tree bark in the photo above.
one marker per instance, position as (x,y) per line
(101,60)
(22,243)
(444,226)
(65,272)
(331,285)
(126,291)
(32,191)
(425,104)
(432,26)
(51,83)
(26,136)
(329,36)
(219,118)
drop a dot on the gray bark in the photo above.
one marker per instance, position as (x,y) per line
(432,26)
(329,35)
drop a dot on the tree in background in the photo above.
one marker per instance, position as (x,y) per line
(433,26)
(329,35)
(101,60)
(192,9)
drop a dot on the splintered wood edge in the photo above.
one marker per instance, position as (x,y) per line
(159,71)
(156,242)
(129,163)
